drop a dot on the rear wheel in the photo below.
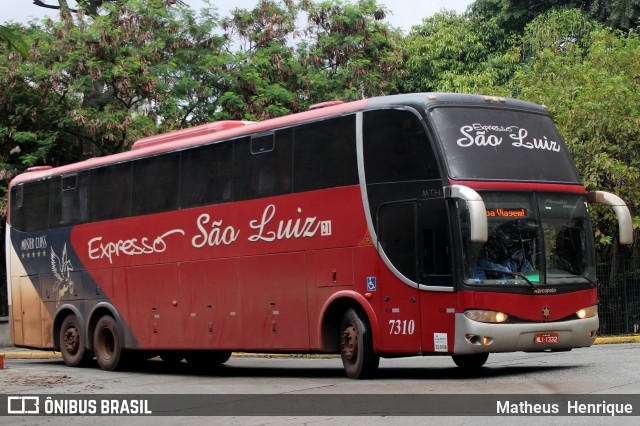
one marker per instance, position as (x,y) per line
(470,362)
(107,344)
(72,345)
(356,346)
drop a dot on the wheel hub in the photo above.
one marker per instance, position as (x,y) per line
(71,340)
(350,343)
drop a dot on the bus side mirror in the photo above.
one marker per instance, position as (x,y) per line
(477,210)
(625,224)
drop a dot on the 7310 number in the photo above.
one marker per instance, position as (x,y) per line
(402,326)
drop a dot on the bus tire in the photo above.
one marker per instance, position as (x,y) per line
(107,344)
(356,346)
(470,362)
(72,345)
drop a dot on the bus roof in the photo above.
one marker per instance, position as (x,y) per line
(229,129)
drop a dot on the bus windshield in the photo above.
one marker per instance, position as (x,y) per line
(534,239)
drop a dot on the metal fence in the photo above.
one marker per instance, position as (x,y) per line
(619,294)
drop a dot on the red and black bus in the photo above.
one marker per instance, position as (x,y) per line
(418,224)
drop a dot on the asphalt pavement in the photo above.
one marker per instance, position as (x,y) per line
(12,352)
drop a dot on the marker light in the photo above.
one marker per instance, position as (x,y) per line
(589,312)
(486,316)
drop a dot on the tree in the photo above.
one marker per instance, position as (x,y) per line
(587,75)
(514,15)
(344,52)
(620,14)
(14,41)
(107,80)
(350,52)
(456,52)
(262,73)
(91,7)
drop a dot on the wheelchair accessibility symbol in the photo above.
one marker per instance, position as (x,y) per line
(371,283)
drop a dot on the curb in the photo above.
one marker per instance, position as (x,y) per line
(617,339)
(53,354)
(30,355)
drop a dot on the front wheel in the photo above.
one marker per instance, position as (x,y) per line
(356,346)
(470,362)
(72,345)
(107,344)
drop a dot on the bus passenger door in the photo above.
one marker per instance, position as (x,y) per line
(397,237)
(437,299)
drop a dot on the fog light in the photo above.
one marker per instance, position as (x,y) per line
(486,341)
(474,339)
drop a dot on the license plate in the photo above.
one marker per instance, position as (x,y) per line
(547,338)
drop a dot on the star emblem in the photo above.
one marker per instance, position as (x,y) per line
(546,312)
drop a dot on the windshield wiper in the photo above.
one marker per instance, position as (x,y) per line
(589,280)
(514,274)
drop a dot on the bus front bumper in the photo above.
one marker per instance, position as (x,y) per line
(478,337)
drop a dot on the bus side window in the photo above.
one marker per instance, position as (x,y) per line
(110,192)
(205,175)
(30,206)
(262,165)
(155,184)
(15,216)
(69,199)
(397,148)
(325,154)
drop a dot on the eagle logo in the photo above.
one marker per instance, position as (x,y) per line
(61,268)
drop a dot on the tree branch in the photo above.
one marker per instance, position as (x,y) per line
(49,6)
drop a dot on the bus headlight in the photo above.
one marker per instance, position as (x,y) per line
(486,316)
(589,312)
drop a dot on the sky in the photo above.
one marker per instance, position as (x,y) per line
(405,13)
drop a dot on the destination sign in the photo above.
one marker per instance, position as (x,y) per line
(507,212)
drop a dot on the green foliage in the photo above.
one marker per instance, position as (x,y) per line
(95,84)
(14,41)
(620,14)
(456,52)
(351,53)
(588,76)
(514,15)
(262,73)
